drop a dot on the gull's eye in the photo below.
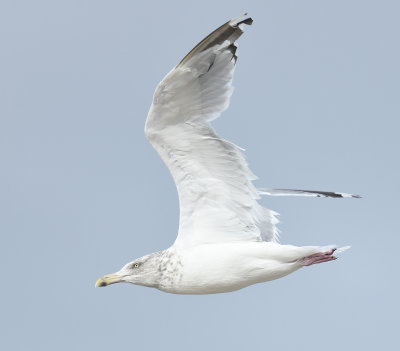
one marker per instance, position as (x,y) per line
(136,265)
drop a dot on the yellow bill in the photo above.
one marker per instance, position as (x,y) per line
(108,279)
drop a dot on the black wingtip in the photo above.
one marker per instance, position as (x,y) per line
(248,21)
(333,194)
(238,21)
(228,31)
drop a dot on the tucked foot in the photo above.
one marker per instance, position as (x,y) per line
(318,258)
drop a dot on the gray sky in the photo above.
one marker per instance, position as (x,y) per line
(316,105)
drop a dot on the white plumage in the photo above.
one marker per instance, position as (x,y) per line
(217,198)
(226,239)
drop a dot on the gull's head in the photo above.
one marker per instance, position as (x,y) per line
(142,271)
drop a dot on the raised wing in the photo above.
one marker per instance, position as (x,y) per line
(218,201)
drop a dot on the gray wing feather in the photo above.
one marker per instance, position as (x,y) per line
(308,193)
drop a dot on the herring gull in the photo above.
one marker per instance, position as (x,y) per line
(226,239)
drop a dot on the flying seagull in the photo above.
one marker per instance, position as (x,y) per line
(226,239)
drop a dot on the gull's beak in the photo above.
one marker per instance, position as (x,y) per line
(108,279)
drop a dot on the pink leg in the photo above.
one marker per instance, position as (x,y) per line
(318,258)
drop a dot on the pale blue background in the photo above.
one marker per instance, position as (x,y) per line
(82,192)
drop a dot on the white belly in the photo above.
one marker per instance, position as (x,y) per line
(218,268)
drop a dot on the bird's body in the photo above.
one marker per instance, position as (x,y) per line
(219,268)
(226,239)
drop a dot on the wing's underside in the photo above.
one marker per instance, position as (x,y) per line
(218,201)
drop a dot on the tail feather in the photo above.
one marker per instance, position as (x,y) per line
(341,249)
(335,248)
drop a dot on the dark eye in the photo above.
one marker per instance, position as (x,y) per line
(136,265)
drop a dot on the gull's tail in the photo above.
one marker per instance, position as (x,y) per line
(309,193)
